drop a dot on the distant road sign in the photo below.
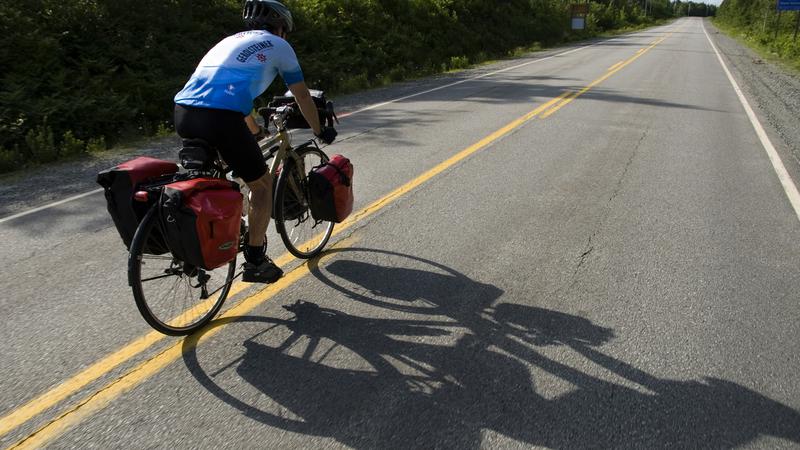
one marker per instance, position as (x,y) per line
(582,9)
(579,12)
(788,5)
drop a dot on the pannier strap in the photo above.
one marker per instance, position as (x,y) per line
(344,177)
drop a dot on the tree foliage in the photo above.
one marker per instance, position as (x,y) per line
(758,22)
(76,70)
(694,9)
(77,73)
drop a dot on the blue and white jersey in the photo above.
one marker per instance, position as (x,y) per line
(239,69)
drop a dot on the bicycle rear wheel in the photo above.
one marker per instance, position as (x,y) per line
(173,297)
(303,236)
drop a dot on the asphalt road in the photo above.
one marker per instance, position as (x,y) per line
(619,271)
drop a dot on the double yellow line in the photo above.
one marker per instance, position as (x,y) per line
(141,372)
(611,71)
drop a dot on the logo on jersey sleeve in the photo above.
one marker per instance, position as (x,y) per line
(231,90)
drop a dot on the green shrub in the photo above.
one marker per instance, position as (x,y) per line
(164,129)
(96,145)
(458,62)
(8,160)
(41,145)
(72,146)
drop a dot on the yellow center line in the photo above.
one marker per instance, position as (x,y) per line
(145,370)
(594,83)
(71,386)
(142,372)
(615,65)
(102,367)
(51,398)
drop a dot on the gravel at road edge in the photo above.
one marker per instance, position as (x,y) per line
(773,92)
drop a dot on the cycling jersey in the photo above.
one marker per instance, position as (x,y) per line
(239,69)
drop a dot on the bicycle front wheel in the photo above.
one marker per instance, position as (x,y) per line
(302,235)
(175,298)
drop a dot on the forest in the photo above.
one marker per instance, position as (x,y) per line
(81,75)
(760,24)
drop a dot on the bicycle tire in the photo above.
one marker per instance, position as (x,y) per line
(192,314)
(303,236)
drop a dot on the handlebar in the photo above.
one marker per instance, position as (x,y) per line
(279,115)
(272,114)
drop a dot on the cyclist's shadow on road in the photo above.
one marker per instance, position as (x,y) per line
(418,392)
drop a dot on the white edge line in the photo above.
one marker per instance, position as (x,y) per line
(367,108)
(783,175)
(50,205)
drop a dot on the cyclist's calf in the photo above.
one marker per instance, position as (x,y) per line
(260,208)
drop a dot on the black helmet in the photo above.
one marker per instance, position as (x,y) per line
(259,14)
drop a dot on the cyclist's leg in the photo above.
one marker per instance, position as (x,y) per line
(259,209)
(229,134)
(243,155)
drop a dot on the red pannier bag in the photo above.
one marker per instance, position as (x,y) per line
(120,183)
(201,219)
(330,188)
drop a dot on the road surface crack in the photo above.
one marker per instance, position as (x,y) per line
(589,247)
(584,255)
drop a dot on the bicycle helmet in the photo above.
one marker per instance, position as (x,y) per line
(259,14)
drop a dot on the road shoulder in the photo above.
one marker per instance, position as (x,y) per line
(773,91)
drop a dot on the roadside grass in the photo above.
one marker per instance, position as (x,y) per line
(760,43)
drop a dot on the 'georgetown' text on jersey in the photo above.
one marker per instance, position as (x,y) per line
(239,69)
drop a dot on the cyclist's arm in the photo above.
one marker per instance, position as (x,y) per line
(251,124)
(307,106)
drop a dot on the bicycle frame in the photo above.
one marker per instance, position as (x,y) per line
(279,147)
(281,139)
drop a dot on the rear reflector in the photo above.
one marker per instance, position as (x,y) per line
(141,196)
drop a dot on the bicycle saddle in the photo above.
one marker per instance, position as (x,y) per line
(197,154)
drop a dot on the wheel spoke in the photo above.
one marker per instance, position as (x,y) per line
(299,232)
(168,299)
(167,275)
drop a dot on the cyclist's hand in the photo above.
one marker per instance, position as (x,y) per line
(261,134)
(327,135)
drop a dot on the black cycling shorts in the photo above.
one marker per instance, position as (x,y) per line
(226,131)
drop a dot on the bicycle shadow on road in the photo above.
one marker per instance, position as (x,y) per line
(411,390)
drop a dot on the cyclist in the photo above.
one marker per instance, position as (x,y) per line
(216,104)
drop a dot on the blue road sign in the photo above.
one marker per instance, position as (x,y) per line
(788,5)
